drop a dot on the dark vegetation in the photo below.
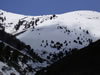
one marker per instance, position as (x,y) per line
(11,52)
(10,39)
(77,62)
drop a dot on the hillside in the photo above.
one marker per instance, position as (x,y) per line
(35,42)
(16,57)
(77,62)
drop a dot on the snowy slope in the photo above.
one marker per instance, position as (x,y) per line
(5,70)
(52,36)
(16,23)
(68,31)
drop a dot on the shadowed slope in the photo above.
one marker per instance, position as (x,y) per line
(78,62)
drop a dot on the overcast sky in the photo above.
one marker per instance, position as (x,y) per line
(40,7)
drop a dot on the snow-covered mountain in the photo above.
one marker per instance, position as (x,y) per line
(16,23)
(53,36)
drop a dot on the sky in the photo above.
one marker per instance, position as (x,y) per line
(44,7)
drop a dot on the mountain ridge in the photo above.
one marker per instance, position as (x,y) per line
(49,37)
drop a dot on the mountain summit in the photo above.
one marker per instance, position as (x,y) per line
(52,36)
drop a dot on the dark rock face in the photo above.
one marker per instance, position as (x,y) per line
(77,62)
